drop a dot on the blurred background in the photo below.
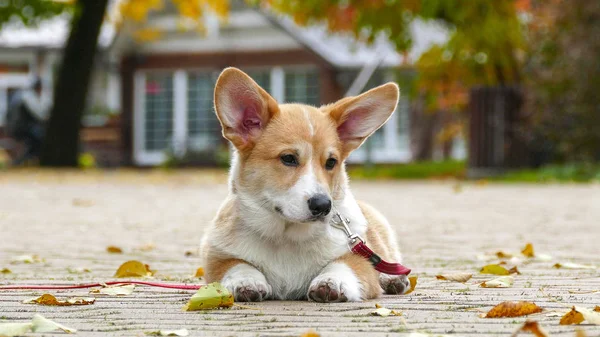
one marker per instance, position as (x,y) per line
(495,89)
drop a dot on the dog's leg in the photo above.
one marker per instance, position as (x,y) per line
(349,278)
(246,283)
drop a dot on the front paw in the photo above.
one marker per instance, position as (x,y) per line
(247,285)
(338,284)
(394,284)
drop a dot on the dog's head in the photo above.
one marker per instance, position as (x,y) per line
(290,156)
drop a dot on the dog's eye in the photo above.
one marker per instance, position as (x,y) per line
(330,163)
(289,160)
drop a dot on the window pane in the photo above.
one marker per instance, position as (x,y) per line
(159,112)
(203,126)
(302,86)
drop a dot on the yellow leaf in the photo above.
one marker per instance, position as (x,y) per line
(534,328)
(133,269)
(199,272)
(500,282)
(494,269)
(572,317)
(310,333)
(580,333)
(457,277)
(590,316)
(115,290)
(49,299)
(513,309)
(210,296)
(413,284)
(528,250)
(5,271)
(597,308)
(384,312)
(114,250)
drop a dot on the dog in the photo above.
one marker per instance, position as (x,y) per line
(272,237)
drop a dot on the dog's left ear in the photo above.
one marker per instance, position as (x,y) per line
(243,108)
(360,116)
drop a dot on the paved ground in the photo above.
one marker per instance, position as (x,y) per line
(69,220)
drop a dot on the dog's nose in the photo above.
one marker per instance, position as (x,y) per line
(319,204)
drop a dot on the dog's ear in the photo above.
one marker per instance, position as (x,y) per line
(358,117)
(243,108)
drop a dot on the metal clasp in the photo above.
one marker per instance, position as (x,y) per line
(339,222)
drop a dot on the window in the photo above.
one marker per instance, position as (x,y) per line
(202,124)
(159,112)
(302,86)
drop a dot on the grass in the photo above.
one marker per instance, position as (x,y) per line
(417,170)
(572,172)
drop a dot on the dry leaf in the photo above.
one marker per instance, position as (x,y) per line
(114,250)
(310,333)
(499,282)
(456,277)
(26,259)
(5,271)
(134,269)
(513,309)
(528,250)
(572,317)
(580,333)
(590,316)
(115,290)
(384,312)
(413,284)
(494,269)
(49,299)
(14,329)
(42,324)
(514,270)
(569,265)
(180,332)
(199,272)
(210,296)
(533,327)
(502,255)
(597,308)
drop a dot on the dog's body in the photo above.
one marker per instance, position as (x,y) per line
(271,238)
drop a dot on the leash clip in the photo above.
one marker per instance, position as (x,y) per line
(339,222)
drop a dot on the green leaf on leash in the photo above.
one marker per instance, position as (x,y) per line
(210,296)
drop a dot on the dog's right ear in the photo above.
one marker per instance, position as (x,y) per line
(243,108)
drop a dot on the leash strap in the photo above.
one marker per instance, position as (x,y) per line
(360,248)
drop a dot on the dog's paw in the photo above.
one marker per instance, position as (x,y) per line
(337,283)
(394,284)
(246,284)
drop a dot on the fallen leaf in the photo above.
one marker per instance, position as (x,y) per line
(199,272)
(513,309)
(528,250)
(5,271)
(78,270)
(580,333)
(49,299)
(14,329)
(590,316)
(384,312)
(310,333)
(456,277)
(115,290)
(572,317)
(134,269)
(494,269)
(597,308)
(502,255)
(569,265)
(180,332)
(514,270)
(499,282)
(413,284)
(210,296)
(533,327)
(42,324)
(83,202)
(114,250)
(26,259)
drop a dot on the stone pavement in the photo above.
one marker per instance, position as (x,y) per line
(70,218)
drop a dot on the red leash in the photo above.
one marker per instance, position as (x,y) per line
(92,285)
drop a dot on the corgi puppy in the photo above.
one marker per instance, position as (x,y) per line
(272,237)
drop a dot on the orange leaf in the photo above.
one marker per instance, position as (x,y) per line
(597,308)
(48,299)
(413,284)
(514,270)
(528,250)
(572,317)
(534,328)
(114,250)
(133,269)
(199,272)
(310,333)
(513,309)
(503,255)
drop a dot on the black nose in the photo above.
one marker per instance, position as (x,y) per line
(319,204)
